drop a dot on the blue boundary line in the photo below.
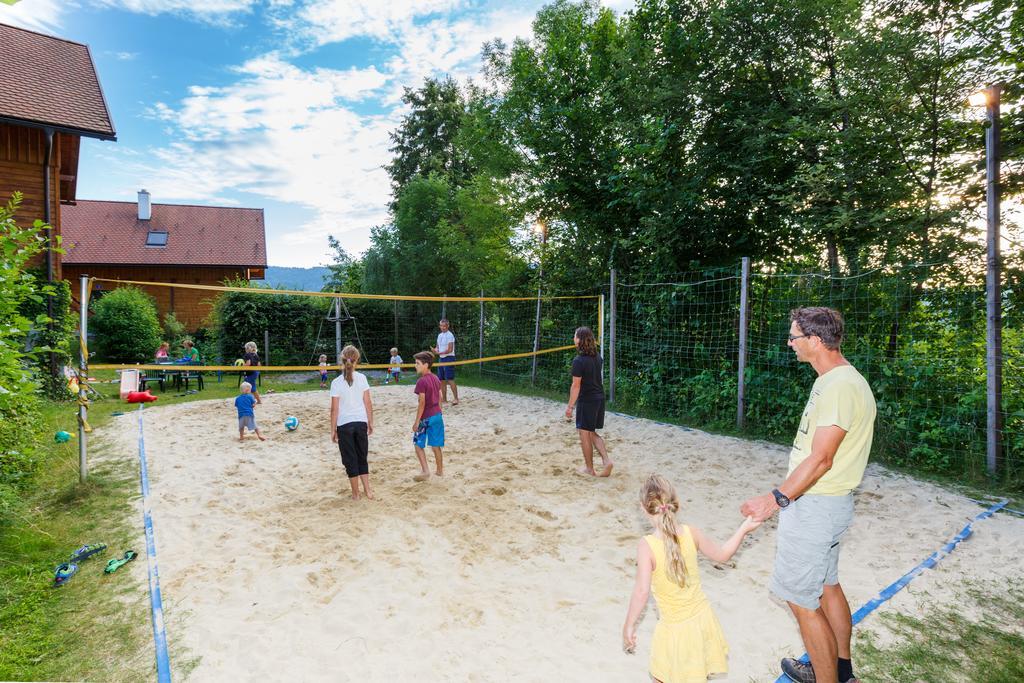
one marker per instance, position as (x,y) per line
(929,562)
(989,502)
(163,664)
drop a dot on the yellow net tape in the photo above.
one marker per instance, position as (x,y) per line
(340,295)
(310,368)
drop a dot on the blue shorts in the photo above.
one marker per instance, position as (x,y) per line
(430,433)
(246,421)
(446,372)
(252,378)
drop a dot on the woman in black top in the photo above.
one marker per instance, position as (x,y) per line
(587,396)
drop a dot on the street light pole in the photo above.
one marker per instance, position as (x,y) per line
(989,98)
(994,327)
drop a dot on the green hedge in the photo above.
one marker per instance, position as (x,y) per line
(125,325)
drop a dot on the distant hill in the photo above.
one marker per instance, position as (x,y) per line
(306,279)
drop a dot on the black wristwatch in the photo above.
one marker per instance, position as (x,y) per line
(780,498)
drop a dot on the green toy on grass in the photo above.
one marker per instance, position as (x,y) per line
(62,436)
(116,563)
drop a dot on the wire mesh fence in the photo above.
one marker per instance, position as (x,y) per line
(916,334)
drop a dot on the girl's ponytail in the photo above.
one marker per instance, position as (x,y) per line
(659,499)
(349,358)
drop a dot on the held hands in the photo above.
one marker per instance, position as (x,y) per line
(760,508)
(749,524)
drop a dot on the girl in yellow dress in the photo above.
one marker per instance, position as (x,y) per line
(688,644)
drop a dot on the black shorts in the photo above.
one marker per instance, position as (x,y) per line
(354,445)
(590,414)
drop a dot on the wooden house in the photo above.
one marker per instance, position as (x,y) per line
(50,98)
(177,243)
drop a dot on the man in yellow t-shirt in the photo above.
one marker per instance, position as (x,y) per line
(826,463)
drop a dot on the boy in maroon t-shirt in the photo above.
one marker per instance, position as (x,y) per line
(429,425)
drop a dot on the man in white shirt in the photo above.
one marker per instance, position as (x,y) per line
(445,351)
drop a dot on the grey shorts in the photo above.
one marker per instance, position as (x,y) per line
(807,547)
(247,421)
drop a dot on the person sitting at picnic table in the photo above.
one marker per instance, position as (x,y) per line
(191,353)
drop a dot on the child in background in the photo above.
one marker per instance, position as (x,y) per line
(252,375)
(396,366)
(428,426)
(245,404)
(163,352)
(688,644)
(323,370)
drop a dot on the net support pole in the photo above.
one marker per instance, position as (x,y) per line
(480,365)
(83,376)
(993,331)
(741,365)
(396,323)
(611,339)
(337,330)
(266,346)
(600,324)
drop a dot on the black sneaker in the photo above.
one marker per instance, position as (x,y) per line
(799,672)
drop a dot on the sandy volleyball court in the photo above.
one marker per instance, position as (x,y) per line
(511,568)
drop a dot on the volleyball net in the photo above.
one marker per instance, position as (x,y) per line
(508,338)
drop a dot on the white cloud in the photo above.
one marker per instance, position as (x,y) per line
(214,11)
(126,56)
(331,21)
(38,15)
(291,134)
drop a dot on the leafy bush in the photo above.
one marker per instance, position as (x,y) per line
(126,326)
(19,290)
(174,331)
(54,340)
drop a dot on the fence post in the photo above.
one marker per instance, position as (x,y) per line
(266,347)
(536,340)
(600,323)
(396,323)
(480,365)
(611,341)
(83,376)
(994,326)
(741,384)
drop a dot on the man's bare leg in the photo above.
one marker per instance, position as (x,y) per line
(588,452)
(598,442)
(820,642)
(354,483)
(837,610)
(455,393)
(365,479)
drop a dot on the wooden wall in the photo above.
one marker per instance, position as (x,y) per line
(190,306)
(22,151)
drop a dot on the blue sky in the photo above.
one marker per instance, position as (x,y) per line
(280,104)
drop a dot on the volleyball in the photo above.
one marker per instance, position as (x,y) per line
(291,423)
(239,362)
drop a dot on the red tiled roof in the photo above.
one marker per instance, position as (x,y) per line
(111,233)
(51,81)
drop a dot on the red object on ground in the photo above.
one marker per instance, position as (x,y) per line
(140,397)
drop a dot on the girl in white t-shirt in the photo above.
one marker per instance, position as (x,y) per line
(352,420)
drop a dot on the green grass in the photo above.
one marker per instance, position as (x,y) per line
(983,642)
(96,627)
